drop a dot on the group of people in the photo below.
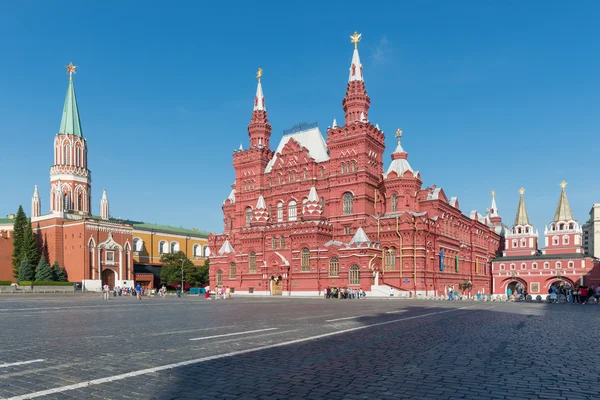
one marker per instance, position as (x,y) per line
(578,294)
(221,292)
(344,293)
(138,291)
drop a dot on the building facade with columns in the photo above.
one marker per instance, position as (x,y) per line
(322,212)
(561,261)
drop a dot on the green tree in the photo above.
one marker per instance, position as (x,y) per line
(26,271)
(58,274)
(18,238)
(200,275)
(29,247)
(170,273)
(43,272)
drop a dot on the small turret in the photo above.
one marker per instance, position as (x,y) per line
(104,212)
(35,203)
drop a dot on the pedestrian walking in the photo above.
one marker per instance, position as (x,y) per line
(105,291)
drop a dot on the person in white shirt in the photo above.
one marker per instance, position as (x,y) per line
(106,291)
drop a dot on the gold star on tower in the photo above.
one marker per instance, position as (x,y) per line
(355,39)
(71,69)
(522,191)
(563,184)
(259,74)
(493,192)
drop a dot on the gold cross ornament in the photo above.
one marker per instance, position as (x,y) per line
(259,74)
(563,184)
(493,192)
(522,191)
(398,134)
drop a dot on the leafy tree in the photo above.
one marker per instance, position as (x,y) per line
(29,247)
(26,271)
(170,273)
(18,237)
(43,272)
(58,274)
(201,274)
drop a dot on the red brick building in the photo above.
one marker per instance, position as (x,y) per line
(561,261)
(322,212)
(6,248)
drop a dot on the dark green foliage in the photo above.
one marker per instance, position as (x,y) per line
(43,272)
(18,238)
(26,270)
(30,247)
(170,273)
(58,274)
(5,283)
(46,283)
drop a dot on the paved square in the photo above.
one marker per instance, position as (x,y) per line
(81,347)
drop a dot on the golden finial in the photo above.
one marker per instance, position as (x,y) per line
(522,191)
(355,39)
(563,185)
(398,134)
(71,69)
(493,192)
(259,74)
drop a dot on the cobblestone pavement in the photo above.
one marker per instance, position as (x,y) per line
(81,347)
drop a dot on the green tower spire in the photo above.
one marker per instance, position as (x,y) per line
(70,124)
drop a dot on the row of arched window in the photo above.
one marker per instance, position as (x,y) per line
(165,247)
(534,265)
(347,167)
(334,269)
(68,155)
(292,210)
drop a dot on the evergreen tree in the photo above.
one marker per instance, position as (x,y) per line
(43,273)
(29,247)
(18,237)
(26,271)
(58,274)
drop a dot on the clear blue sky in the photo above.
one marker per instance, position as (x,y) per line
(490,95)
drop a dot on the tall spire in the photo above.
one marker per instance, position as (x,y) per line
(563,209)
(493,208)
(522,218)
(259,129)
(70,124)
(355,67)
(35,203)
(356,103)
(104,214)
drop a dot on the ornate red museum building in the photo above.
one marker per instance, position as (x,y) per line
(562,261)
(322,212)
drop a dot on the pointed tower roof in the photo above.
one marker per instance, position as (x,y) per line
(259,99)
(334,125)
(226,248)
(522,218)
(493,207)
(104,197)
(312,195)
(360,237)
(563,209)
(70,124)
(355,67)
(260,204)
(400,162)
(35,192)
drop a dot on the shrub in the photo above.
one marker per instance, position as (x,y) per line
(45,283)
(5,283)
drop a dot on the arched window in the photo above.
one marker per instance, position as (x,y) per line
(334,267)
(323,204)
(322,169)
(138,244)
(534,266)
(523,266)
(163,247)
(232,270)
(515,243)
(354,275)
(197,250)
(292,211)
(394,202)
(502,267)
(205,251)
(174,247)
(68,154)
(565,239)
(66,201)
(513,266)
(342,168)
(390,260)
(305,259)
(305,174)
(273,243)
(219,278)
(79,201)
(228,223)
(546,265)
(282,242)
(248,216)
(558,265)
(252,262)
(348,206)
(271,212)
(353,166)
(571,264)
(555,240)
(280,211)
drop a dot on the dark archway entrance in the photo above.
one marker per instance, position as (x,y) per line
(108,278)
(515,286)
